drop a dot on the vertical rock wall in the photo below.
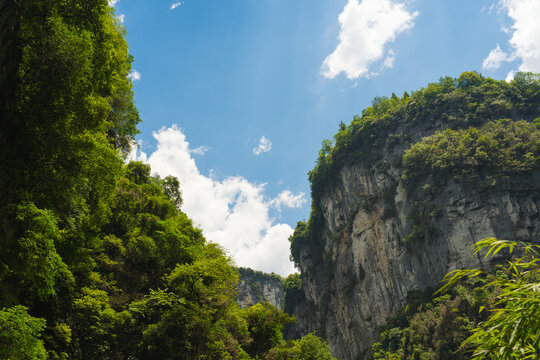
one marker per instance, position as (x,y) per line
(257,287)
(380,241)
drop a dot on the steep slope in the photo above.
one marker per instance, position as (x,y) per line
(400,197)
(257,287)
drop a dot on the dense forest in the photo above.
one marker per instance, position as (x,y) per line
(97,260)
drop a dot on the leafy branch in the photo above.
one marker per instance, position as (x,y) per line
(513,329)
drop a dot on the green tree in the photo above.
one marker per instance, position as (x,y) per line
(469,78)
(265,324)
(309,347)
(96,325)
(30,266)
(513,329)
(171,188)
(20,335)
(138,172)
(196,317)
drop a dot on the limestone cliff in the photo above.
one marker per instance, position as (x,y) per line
(374,235)
(256,287)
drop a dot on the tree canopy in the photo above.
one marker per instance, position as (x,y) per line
(97,260)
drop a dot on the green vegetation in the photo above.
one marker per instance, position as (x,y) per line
(475,315)
(310,347)
(497,149)
(97,261)
(434,327)
(259,276)
(266,324)
(19,335)
(292,287)
(512,331)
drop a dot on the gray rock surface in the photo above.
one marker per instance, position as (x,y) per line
(257,287)
(372,252)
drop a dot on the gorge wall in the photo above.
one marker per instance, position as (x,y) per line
(257,287)
(369,270)
(383,225)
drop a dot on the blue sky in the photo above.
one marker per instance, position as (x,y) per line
(237,96)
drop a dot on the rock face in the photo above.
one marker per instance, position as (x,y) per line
(257,287)
(380,240)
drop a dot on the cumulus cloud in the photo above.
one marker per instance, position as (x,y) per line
(366,28)
(264,146)
(389,60)
(288,199)
(134,75)
(201,150)
(121,17)
(232,211)
(113,2)
(510,76)
(176,4)
(524,41)
(495,58)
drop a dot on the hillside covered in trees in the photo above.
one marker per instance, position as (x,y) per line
(97,261)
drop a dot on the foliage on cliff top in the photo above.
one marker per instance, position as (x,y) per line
(255,279)
(257,275)
(500,148)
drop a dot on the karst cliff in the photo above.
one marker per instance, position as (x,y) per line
(257,287)
(401,194)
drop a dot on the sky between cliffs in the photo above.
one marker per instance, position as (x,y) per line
(237,96)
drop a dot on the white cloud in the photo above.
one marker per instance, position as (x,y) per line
(389,60)
(366,28)
(176,4)
(288,199)
(201,150)
(121,17)
(134,75)
(264,146)
(113,2)
(495,58)
(524,41)
(510,76)
(232,211)
(269,254)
